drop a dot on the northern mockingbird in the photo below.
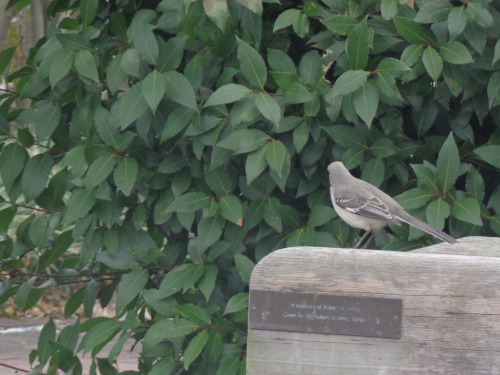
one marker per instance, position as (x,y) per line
(362,205)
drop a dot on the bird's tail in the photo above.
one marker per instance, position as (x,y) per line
(426,228)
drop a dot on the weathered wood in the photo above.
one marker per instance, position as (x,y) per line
(450,320)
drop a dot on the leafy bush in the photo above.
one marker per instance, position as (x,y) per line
(168,146)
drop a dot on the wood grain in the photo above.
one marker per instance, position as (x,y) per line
(451,310)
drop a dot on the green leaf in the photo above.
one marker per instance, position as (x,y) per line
(374,171)
(300,136)
(414,198)
(90,297)
(125,175)
(285,19)
(479,14)
(48,119)
(99,334)
(393,66)
(61,64)
(252,65)
(132,105)
(193,313)
(244,267)
(280,62)
(171,53)
(177,120)
(301,24)
(207,282)
(6,217)
(244,140)
(448,164)
(432,12)
(490,154)
(143,38)
(100,169)
(412,54)
(189,202)
(164,366)
(180,278)
(454,78)
(231,209)
(47,335)
(12,161)
(433,62)
(231,365)
(256,163)
(276,153)
(130,286)
(348,82)
(357,46)
(79,203)
(347,136)
(88,10)
(389,8)
(413,32)
(383,147)
(496,55)
(167,329)
(320,215)
(27,295)
(228,94)
(296,93)
(457,20)
(455,53)
(340,24)
(365,101)
(237,303)
(6,56)
(194,348)
(217,11)
(474,184)
(436,212)
(493,89)
(35,175)
(179,89)
(153,89)
(85,65)
(467,210)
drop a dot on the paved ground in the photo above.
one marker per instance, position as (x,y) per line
(18,338)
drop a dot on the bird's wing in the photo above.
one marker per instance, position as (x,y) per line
(365,204)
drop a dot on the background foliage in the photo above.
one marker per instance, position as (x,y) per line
(169,145)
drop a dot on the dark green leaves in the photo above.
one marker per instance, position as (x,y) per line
(349,82)
(490,154)
(6,56)
(179,89)
(130,286)
(153,89)
(252,65)
(448,164)
(357,45)
(244,140)
(413,32)
(125,175)
(12,161)
(35,175)
(228,94)
(455,53)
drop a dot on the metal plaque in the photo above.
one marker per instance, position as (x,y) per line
(328,314)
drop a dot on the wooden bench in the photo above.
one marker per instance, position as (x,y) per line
(434,310)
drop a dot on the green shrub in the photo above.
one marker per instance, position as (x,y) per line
(168,146)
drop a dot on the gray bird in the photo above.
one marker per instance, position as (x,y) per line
(362,205)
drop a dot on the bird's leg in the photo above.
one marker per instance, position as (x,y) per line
(370,239)
(363,238)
